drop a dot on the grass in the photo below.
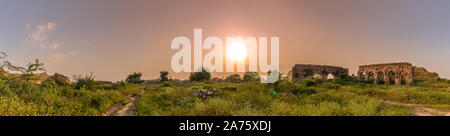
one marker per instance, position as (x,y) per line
(22,98)
(255,99)
(283,98)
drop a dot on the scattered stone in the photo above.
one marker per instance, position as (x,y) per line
(204,93)
(288,94)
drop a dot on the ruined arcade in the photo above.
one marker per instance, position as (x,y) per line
(302,71)
(387,72)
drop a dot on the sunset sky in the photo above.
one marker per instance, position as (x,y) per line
(114,38)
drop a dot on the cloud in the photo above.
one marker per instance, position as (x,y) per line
(39,35)
(56,45)
(61,57)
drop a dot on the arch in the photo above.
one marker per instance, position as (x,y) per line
(330,76)
(403,76)
(390,77)
(380,77)
(308,73)
(371,77)
(361,75)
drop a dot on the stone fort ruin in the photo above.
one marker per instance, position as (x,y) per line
(302,71)
(387,73)
(396,73)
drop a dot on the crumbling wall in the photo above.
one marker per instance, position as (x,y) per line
(422,72)
(302,71)
(400,71)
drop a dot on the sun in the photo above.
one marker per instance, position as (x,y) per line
(237,51)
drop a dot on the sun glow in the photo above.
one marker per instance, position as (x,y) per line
(237,51)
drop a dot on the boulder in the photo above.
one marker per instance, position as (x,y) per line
(60,77)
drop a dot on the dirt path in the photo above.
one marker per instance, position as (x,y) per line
(125,110)
(422,110)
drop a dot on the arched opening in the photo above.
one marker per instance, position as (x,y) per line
(391,78)
(308,73)
(297,75)
(361,76)
(317,76)
(330,76)
(403,78)
(371,77)
(380,77)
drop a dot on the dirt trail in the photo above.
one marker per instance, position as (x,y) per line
(125,110)
(422,110)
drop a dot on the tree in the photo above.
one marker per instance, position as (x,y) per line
(135,78)
(204,75)
(28,72)
(234,78)
(251,76)
(164,75)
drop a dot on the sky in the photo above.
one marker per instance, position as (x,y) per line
(114,38)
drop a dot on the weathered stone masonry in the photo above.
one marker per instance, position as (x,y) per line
(302,71)
(399,70)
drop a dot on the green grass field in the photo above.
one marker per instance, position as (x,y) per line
(284,98)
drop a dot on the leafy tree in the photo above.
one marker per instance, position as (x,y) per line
(251,76)
(233,78)
(135,78)
(204,75)
(164,75)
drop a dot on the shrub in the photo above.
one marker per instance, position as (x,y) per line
(86,82)
(166,84)
(235,78)
(330,85)
(302,90)
(309,82)
(204,75)
(230,88)
(164,75)
(285,86)
(134,78)
(251,76)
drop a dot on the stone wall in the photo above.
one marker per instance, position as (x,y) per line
(302,71)
(397,71)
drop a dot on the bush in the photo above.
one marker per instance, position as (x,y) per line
(164,75)
(251,76)
(301,90)
(309,82)
(166,84)
(200,76)
(230,88)
(135,78)
(235,78)
(86,82)
(285,86)
(330,85)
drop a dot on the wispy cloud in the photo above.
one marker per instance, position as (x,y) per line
(39,35)
(61,57)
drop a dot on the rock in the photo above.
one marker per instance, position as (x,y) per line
(60,77)
(204,93)
(41,78)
